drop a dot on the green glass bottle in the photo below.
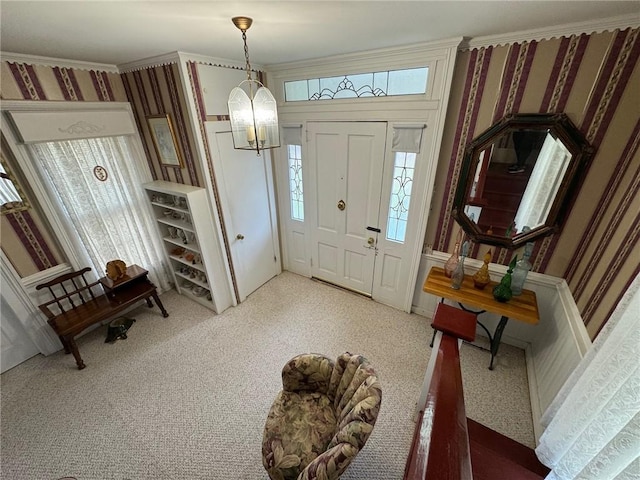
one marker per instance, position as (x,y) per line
(502,291)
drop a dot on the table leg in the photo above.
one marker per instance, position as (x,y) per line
(159,303)
(495,341)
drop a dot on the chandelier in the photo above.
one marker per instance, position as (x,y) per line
(252,108)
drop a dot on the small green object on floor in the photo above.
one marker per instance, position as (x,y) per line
(118,329)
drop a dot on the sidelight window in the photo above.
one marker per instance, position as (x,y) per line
(295,182)
(406,144)
(403,171)
(293,141)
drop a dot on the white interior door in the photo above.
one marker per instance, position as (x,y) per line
(248,206)
(15,344)
(346,160)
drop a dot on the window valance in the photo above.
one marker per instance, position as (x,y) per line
(292,134)
(35,126)
(407,138)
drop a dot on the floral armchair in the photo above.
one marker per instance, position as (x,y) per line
(321,418)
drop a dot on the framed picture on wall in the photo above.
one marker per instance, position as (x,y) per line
(164,140)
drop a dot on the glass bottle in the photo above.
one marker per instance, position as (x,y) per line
(521,270)
(481,278)
(502,291)
(451,264)
(458,274)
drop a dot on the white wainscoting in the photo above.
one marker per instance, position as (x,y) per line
(552,348)
(24,301)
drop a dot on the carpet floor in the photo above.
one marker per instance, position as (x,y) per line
(186,397)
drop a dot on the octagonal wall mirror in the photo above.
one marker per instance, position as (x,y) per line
(518,177)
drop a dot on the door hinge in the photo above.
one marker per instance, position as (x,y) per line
(311,261)
(275,259)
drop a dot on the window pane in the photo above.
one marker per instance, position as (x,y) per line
(408,82)
(403,171)
(295,182)
(412,81)
(295,91)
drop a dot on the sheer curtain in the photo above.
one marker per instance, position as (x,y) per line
(108,216)
(593,425)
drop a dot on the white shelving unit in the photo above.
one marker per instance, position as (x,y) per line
(184,222)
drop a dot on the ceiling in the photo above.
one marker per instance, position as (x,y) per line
(119,32)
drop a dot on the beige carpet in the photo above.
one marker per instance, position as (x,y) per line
(186,397)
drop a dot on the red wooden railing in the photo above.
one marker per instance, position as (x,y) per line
(440,448)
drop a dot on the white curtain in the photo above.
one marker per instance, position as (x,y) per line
(593,425)
(108,218)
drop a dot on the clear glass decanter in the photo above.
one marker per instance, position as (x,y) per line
(452,263)
(521,270)
(458,274)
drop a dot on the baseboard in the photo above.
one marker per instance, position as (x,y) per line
(534,398)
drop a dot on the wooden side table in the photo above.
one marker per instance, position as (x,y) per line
(132,286)
(523,308)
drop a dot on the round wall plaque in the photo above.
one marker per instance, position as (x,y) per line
(101,173)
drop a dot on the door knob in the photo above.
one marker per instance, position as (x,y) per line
(371,241)
(341,205)
(240,236)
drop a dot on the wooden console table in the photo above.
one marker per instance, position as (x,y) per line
(523,308)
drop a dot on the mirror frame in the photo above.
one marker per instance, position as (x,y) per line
(561,126)
(13,207)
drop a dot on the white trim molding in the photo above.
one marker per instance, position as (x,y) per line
(150,62)
(181,58)
(56,62)
(620,22)
(391,57)
(216,61)
(24,306)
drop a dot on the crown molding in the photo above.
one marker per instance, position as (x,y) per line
(215,61)
(56,62)
(546,33)
(180,57)
(382,54)
(150,62)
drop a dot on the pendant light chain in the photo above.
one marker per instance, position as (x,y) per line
(246,54)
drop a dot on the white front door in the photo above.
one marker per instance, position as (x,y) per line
(346,162)
(248,208)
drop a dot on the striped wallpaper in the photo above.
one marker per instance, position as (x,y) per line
(24,236)
(595,80)
(158,90)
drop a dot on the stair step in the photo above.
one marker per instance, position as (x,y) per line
(495,456)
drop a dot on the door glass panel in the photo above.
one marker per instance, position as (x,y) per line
(403,171)
(295,182)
